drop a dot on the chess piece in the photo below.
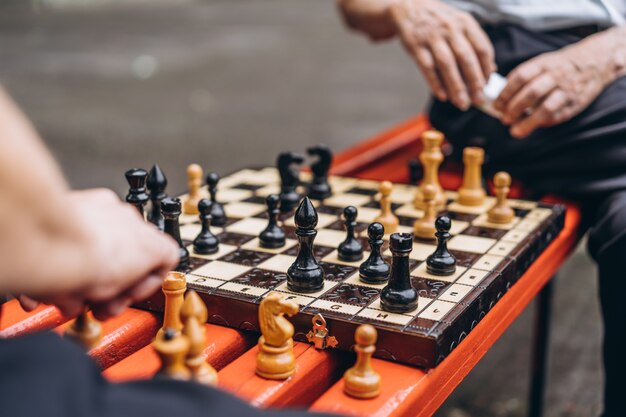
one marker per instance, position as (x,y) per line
(350,250)
(472,192)
(172,348)
(319,188)
(399,296)
(275,359)
(85,330)
(173,287)
(424,228)
(374,269)
(156,183)
(137,195)
(194,183)
(415,171)
(171,209)
(206,242)
(272,236)
(386,217)
(218,216)
(501,212)
(305,274)
(193,315)
(441,262)
(431,158)
(361,381)
(288,169)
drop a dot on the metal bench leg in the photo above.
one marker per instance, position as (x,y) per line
(540,350)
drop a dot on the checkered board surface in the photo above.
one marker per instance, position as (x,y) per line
(490,258)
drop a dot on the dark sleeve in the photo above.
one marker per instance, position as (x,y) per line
(43,375)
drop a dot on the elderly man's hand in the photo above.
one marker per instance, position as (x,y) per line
(452,50)
(556,86)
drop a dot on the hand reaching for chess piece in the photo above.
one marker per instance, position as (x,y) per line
(78,270)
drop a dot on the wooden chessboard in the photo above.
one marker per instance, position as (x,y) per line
(490,259)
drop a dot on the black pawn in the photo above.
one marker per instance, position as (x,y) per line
(375,270)
(415,171)
(350,250)
(305,275)
(137,195)
(288,168)
(441,262)
(272,236)
(399,296)
(171,209)
(156,185)
(319,188)
(218,215)
(206,242)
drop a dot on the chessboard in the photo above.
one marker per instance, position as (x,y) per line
(490,258)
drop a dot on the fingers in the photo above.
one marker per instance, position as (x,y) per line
(470,67)
(449,71)
(426,62)
(482,46)
(553,110)
(519,77)
(528,97)
(27,303)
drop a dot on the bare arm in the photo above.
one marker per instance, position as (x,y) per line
(69,248)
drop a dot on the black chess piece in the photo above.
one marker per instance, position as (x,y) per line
(350,250)
(374,269)
(218,215)
(272,236)
(441,262)
(156,185)
(171,209)
(137,195)
(399,296)
(288,168)
(206,242)
(319,188)
(305,275)
(415,171)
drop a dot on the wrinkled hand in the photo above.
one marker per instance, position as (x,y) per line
(556,86)
(452,50)
(126,258)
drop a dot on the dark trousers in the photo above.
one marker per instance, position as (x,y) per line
(583,159)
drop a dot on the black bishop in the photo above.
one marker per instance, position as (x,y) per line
(305,275)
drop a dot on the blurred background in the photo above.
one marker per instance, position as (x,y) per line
(114,84)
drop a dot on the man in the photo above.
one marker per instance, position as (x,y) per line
(563,124)
(73,249)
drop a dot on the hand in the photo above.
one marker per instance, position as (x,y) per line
(452,50)
(122,259)
(556,86)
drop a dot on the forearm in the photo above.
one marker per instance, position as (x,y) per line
(35,217)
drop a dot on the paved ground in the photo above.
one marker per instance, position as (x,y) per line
(230,83)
